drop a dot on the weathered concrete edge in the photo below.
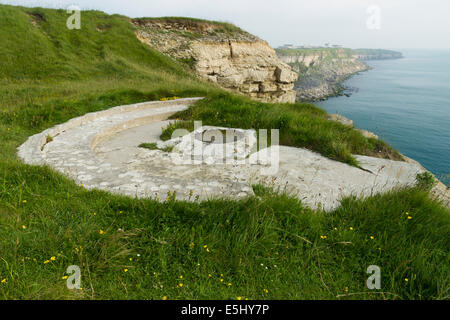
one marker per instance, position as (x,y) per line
(31,152)
(439,191)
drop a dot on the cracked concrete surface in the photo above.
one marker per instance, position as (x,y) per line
(100,151)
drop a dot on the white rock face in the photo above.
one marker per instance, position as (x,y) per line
(100,150)
(240,61)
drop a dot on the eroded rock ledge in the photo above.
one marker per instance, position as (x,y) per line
(223,54)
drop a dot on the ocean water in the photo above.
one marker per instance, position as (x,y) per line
(407,103)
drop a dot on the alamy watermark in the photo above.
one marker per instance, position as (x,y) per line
(225,146)
(373,22)
(374,281)
(74,280)
(74,21)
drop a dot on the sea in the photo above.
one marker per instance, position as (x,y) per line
(406,102)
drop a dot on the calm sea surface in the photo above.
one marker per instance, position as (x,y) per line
(407,103)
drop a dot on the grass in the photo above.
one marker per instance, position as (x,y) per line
(300,125)
(267,242)
(225,28)
(268,246)
(154,146)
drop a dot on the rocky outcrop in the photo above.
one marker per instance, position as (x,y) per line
(223,54)
(321,71)
(348,122)
(340,118)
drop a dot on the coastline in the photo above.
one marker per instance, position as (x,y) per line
(338,87)
(323,70)
(440,191)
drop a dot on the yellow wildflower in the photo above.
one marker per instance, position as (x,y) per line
(46,261)
(180,284)
(181,277)
(53,258)
(64,277)
(101,231)
(406,279)
(24,227)
(239,298)
(409,217)
(372,237)
(4,281)
(229,284)
(164,298)
(125,270)
(266,291)
(351,228)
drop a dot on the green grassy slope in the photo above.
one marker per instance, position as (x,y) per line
(224,28)
(43,60)
(269,246)
(47,49)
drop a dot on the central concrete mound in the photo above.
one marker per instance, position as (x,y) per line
(101,151)
(214,145)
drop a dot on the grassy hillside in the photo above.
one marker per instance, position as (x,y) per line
(38,50)
(264,247)
(200,25)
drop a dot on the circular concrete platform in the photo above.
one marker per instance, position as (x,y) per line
(100,151)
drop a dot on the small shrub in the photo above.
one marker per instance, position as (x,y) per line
(154,146)
(151,146)
(171,127)
(425,180)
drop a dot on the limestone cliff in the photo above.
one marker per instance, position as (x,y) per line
(223,54)
(321,71)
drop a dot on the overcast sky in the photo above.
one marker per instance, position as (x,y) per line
(352,23)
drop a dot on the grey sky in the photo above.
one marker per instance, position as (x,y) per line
(404,23)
